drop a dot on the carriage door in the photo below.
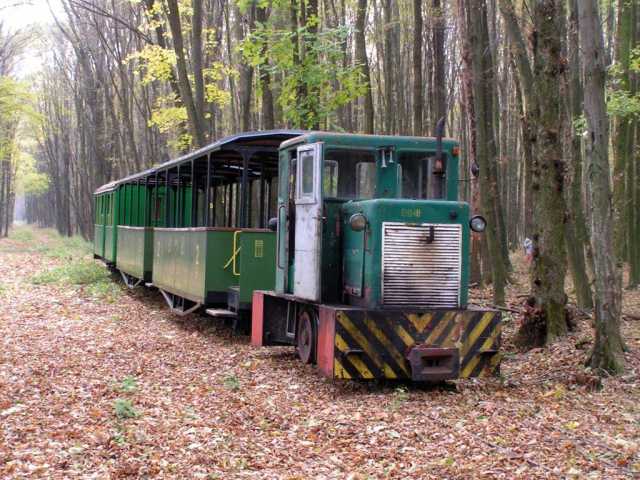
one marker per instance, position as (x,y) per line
(308,218)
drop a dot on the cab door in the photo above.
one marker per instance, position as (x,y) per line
(308,222)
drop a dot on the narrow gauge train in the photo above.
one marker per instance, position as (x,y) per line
(353,248)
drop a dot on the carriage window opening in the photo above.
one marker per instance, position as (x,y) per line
(416,176)
(330,179)
(273,197)
(354,175)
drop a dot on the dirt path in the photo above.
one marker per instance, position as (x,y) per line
(93,389)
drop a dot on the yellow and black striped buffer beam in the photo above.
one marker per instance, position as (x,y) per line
(480,345)
(375,344)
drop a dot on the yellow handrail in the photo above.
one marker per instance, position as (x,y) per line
(234,255)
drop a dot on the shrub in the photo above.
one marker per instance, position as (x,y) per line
(128,384)
(232,382)
(124,409)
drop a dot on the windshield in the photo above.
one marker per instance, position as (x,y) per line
(349,174)
(417,178)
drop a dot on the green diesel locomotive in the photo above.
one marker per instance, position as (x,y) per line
(353,248)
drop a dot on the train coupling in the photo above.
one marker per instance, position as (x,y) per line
(433,364)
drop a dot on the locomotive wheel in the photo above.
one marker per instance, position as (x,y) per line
(306,338)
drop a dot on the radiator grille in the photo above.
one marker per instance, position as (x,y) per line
(418,273)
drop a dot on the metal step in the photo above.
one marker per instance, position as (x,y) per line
(220,313)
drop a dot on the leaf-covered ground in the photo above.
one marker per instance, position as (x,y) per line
(98,382)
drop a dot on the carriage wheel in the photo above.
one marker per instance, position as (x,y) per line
(306,338)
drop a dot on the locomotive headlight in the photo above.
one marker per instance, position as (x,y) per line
(358,222)
(478,223)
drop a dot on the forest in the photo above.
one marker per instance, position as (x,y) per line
(540,93)
(542,96)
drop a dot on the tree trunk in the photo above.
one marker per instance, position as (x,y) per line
(438,88)
(546,315)
(630,206)
(607,353)
(575,231)
(549,265)
(246,71)
(622,128)
(486,151)
(196,123)
(417,68)
(361,59)
(470,150)
(268,118)
(196,58)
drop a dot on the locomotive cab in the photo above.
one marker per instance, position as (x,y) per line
(372,261)
(341,204)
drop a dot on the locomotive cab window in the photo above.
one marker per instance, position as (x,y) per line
(349,174)
(416,177)
(330,179)
(306,175)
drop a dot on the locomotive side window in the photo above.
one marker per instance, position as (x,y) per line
(330,178)
(352,173)
(306,171)
(417,177)
(365,180)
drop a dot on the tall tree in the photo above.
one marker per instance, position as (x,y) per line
(438,86)
(418,96)
(575,231)
(607,353)
(268,116)
(363,61)
(195,117)
(477,32)
(623,125)
(540,83)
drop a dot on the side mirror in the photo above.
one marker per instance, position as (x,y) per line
(273,224)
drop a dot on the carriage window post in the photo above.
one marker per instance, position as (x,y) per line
(139,206)
(147,201)
(244,197)
(194,194)
(179,202)
(207,193)
(261,200)
(154,204)
(167,201)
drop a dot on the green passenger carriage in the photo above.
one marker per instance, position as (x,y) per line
(353,248)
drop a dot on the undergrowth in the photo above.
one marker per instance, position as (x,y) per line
(80,272)
(75,266)
(49,242)
(22,234)
(65,247)
(94,279)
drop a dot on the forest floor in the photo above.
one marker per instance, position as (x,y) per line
(100,382)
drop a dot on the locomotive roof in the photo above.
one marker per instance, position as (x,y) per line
(368,141)
(245,139)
